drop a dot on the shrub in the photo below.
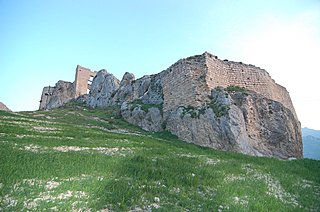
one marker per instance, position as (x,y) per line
(234,88)
(218,108)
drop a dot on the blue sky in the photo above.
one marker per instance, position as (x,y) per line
(42,41)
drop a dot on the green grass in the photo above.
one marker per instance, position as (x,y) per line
(78,158)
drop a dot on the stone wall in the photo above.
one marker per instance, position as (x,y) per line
(184,83)
(189,81)
(64,91)
(82,80)
(226,73)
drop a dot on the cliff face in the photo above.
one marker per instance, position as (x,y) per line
(57,96)
(243,121)
(206,101)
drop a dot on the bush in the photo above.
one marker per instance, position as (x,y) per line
(234,88)
(218,108)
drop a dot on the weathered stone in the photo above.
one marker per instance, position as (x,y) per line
(127,79)
(149,119)
(259,121)
(81,86)
(154,94)
(57,96)
(125,91)
(131,89)
(4,107)
(141,86)
(82,80)
(103,86)
(252,125)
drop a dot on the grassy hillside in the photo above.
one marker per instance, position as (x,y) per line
(77,158)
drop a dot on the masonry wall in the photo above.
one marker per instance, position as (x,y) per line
(82,78)
(226,73)
(184,84)
(189,81)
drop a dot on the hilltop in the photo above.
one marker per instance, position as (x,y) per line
(76,157)
(201,99)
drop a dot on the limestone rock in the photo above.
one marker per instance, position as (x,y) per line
(103,86)
(62,93)
(125,91)
(186,99)
(127,79)
(4,107)
(243,122)
(149,119)
(154,93)
(147,88)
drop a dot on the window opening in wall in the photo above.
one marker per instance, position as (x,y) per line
(90,80)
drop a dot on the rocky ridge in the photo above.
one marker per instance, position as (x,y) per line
(228,118)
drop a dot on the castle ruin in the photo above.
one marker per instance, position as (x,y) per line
(63,91)
(83,80)
(185,100)
(189,81)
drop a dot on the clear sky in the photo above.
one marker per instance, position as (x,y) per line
(42,41)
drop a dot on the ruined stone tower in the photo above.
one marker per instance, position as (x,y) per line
(83,80)
(63,92)
(189,81)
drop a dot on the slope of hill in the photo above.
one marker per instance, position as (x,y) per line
(76,158)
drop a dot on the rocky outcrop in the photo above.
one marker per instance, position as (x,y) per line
(241,121)
(203,100)
(244,122)
(4,107)
(106,90)
(148,118)
(102,89)
(57,96)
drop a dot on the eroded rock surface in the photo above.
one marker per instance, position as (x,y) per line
(149,119)
(57,96)
(102,88)
(244,122)
(204,100)
(4,107)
